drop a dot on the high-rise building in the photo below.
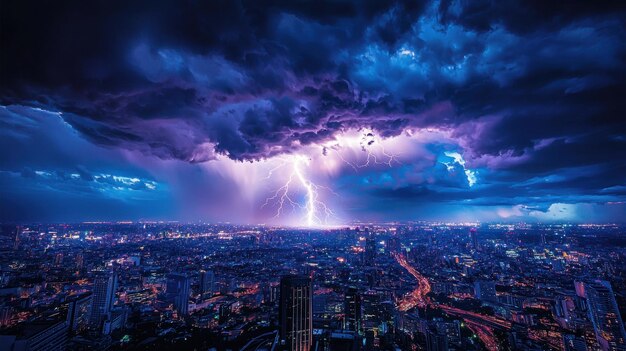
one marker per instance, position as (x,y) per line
(452,331)
(16,242)
(474,238)
(6,312)
(574,343)
(352,310)
(78,312)
(207,279)
(38,335)
(605,317)
(372,308)
(296,313)
(80,261)
(485,290)
(177,292)
(370,251)
(103,298)
(58,259)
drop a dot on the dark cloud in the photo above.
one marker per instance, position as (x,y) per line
(531,89)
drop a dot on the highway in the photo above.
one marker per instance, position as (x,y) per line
(261,342)
(481,325)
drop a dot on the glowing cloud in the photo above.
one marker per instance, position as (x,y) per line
(458,159)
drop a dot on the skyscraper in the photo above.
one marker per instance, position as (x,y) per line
(296,313)
(352,310)
(177,291)
(80,261)
(207,279)
(103,298)
(605,316)
(474,238)
(58,259)
(485,290)
(370,251)
(78,312)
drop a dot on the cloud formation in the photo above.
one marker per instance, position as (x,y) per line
(526,98)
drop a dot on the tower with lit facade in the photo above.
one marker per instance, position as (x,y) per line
(296,313)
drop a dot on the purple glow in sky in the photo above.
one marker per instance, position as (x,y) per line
(288,113)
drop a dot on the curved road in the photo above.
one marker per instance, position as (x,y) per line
(483,326)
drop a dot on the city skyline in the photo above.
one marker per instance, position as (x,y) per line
(313,116)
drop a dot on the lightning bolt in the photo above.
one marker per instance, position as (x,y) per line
(368,143)
(316,211)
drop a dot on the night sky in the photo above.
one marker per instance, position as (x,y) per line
(338,111)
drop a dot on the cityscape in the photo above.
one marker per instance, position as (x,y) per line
(312,175)
(414,286)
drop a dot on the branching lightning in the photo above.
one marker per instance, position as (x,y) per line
(298,181)
(368,143)
(316,211)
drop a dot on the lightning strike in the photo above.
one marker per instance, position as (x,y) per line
(371,145)
(316,211)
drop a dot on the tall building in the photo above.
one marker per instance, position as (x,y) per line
(372,316)
(58,259)
(78,312)
(605,317)
(207,279)
(38,335)
(574,343)
(474,238)
(80,261)
(177,291)
(370,251)
(103,298)
(6,312)
(352,310)
(296,313)
(16,242)
(485,290)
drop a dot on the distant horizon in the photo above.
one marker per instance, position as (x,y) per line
(354,223)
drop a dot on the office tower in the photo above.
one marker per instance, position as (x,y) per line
(485,290)
(436,341)
(103,298)
(6,313)
(574,343)
(605,317)
(370,251)
(543,238)
(452,331)
(78,312)
(371,311)
(16,243)
(393,244)
(352,310)
(296,315)
(474,238)
(37,335)
(177,292)
(80,261)
(207,278)
(58,260)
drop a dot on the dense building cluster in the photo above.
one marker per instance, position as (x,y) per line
(412,286)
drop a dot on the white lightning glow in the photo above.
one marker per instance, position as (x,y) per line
(458,159)
(317,213)
(368,143)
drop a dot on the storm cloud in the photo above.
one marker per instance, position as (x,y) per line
(530,93)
